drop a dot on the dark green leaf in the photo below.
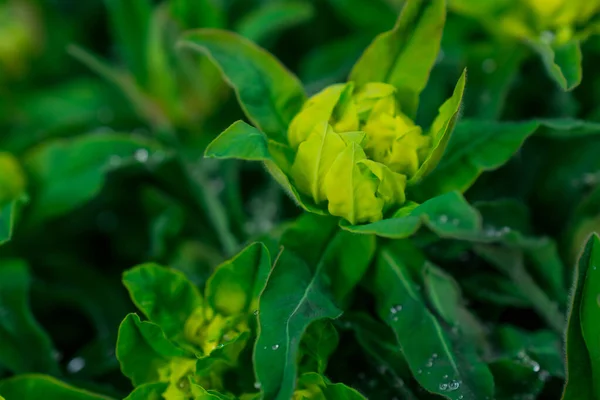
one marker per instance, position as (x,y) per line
(24,346)
(269,94)
(404,56)
(295,296)
(311,383)
(319,342)
(372,15)
(35,387)
(433,362)
(69,172)
(269,20)
(474,147)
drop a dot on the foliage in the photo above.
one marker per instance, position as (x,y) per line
(293,199)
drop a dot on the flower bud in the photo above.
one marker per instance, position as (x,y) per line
(355,150)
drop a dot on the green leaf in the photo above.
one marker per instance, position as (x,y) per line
(165,296)
(589,311)
(143,349)
(269,94)
(241,141)
(130,20)
(404,56)
(380,344)
(568,128)
(366,14)
(295,296)
(24,346)
(148,391)
(433,362)
(319,342)
(441,130)
(311,384)
(580,383)
(474,147)
(448,215)
(35,387)
(8,216)
(196,14)
(69,172)
(267,21)
(235,285)
(563,63)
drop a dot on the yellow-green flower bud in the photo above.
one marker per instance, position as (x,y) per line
(355,150)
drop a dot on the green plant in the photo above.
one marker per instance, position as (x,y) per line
(404,240)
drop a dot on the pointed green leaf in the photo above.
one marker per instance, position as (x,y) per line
(580,383)
(269,94)
(404,56)
(474,147)
(241,141)
(295,296)
(24,346)
(319,342)
(563,63)
(148,391)
(269,20)
(441,130)
(165,296)
(235,285)
(435,362)
(35,387)
(143,349)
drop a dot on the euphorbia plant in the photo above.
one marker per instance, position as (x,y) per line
(351,149)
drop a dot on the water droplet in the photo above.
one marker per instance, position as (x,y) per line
(453,385)
(141,155)
(455,222)
(275,347)
(443,386)
(420,371)
(256,385)
(488,66)
(221,345)
(395,319)
(396,309)
(445,376)
(443,219)
(75,365)
(434,355)
(536,367)
(461,397)
(255,312)
(115,161)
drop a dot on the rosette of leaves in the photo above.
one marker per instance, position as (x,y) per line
(190,341)
(352,149)
(554,29)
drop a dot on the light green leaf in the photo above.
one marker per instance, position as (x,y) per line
(235,285)
(143,349)
(67,173)
(448,215)
(241,141)
(295,296)
(474,147)
(36,387)
(24,346)
(435,363)
(165,296)
(404,56)
(441,130)
(148,391)
(581,369)
(269,94)
(267,21)
(563,63)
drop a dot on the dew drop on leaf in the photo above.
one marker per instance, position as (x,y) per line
(141,155)
(275,347)
(75,365)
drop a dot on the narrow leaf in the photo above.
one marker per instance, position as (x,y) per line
(35,387)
